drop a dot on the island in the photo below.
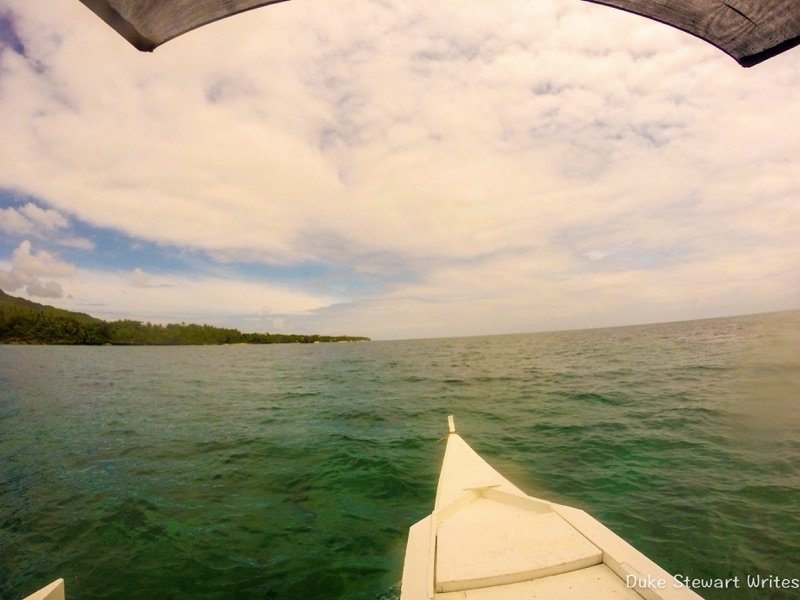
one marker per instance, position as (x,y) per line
(25,322)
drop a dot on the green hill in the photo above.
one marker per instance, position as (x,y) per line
(26,322)
(23,304)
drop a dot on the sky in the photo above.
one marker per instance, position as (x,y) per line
(396,169)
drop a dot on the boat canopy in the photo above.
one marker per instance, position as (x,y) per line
(750,31)
(149,23)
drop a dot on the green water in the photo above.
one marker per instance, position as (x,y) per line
(294,472)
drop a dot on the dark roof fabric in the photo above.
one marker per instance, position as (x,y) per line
(149,23)
(749,30)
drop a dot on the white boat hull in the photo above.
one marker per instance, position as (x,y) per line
(486,539)
(54,591)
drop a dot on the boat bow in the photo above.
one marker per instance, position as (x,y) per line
(488,539)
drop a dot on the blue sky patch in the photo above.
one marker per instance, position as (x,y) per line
(108,250)
(9,38)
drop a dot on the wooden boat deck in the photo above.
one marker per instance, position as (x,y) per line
(489,543)
(597,582)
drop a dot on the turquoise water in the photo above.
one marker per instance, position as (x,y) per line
(294,472)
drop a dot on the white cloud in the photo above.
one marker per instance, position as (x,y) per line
(41,263)
(139,278)
(45,289)
(168,298)
(78,243)
(46,219)
(31,219)
(13,222)
(28,270)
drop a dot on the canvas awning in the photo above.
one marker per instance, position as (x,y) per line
(149,23)
(751,31)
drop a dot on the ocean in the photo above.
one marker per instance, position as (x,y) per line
(294,471)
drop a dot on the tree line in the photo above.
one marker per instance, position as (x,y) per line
(25,322)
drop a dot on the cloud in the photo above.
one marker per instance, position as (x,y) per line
(47,219)
(40,264)
(45,289)
(139,278)
(174,297)
(78,243)
(29,271)
(31,219)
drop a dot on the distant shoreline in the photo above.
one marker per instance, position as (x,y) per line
(343,340)
(23,322)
